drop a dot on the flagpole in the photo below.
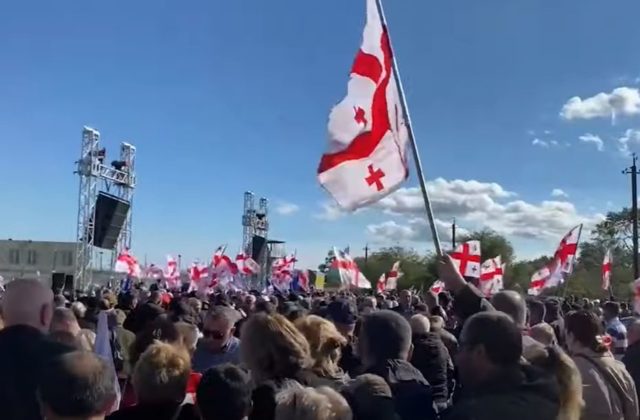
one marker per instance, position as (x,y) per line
(412,139)
(566,283)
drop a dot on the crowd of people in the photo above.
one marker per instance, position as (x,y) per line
(337,355)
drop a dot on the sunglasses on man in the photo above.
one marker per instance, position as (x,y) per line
(216,335)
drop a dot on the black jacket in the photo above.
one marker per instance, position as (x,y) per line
(141,316)
(411,391)
(24,351)
(631,360)
(521,393)
(431,358)
(165,411)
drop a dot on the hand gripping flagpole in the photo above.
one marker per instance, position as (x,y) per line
(412,139)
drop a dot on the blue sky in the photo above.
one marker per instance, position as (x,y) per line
(222,97)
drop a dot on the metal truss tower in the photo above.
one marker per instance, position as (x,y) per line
(120,177)
(255,222)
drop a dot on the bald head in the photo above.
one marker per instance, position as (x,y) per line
(512,304)
(27,302)
(420,324)
(633,332)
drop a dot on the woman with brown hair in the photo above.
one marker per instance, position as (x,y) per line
(325,345)
(608,389)
(277,356)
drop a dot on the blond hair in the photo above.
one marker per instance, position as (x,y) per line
(325,344)
(162,373)
(272,348)
(188,335)
(311,404)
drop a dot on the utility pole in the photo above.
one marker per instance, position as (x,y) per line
(366,254)
(633,171)
(453,233)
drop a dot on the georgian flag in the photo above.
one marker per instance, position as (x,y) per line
(171,274)
(350,275)
(382,281)
(246,265)
(606,270)
(546,277)
(127,263)
(368,137)
(567,249)
(466,258)
(437,287)
(491,275)
(394,275)
(222,264)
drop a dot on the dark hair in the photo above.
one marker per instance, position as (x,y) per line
(536,309)
(161,329)
(77,384)
(612,308)
(265,306)
(585,328)
(498,333)
(224,393)
(387,333)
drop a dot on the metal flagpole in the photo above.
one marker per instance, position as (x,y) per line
(414,146)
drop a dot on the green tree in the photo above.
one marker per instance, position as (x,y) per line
(412,265)
(492,244)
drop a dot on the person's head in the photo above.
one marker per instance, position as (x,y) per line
(218,328)
(611,310)
(27,302)
(76,385)
(59,301)
(79,310)
(633,332)
(189,336)
(437,323)
(159,330)
(155,297)
(544,334)
(224,393)
(64,320)
(370,398)
(420,325)
(249,303)
(384,335)
(325,343)
(537,312)
(489,342)
(406,298)
(512,304)
(311,404)
(552,310)
(195,303)
(272,347)
(344,315)
(161,374)
(584,330)
(369,304)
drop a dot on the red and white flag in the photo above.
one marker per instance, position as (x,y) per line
(394,275)
(171,274)
(382,281)
(568,248)
(199,277)
(491,275)
(127,263)
(222,264)
(466,257)
(350,275)
(303,280)
(606,270)
(153,272)
(437,287)
(636,295)
(368,137)
(246,265)
(546,277)
(282,272)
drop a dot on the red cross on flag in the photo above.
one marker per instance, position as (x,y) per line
(606,270)
(368,136)
(382,281)
(466,257)
(568,248)
(127,263)
(394,275)
(171,274)
(437,287)
(491,273)
(548,276)
(350,275)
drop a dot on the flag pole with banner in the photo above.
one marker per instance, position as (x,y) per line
(412,139)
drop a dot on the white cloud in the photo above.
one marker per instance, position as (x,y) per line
(621,101)
(592,138)
(630,137)
(557,192)
(330,211)
(479,205)
(540,143)
(287,209)
(415,229)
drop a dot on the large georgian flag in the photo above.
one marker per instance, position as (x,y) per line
(366,159)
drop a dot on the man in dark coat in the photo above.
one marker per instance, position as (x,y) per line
(631,358)
(494,383)
(145,313)
(385,346)
(27,309)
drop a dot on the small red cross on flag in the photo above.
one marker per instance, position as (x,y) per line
(367,129)
(606,270)
(467,258)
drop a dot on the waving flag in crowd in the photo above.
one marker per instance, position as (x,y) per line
(153,272)
(350,275)
(199,277)
(437,287)
(491,275)
(394,275)
(548,276)
(382,283)
(221,263)
(567,249)
(246,265)
(301,280)
(606,270)
(368,137)
(466,257)
(127,263)
(172,273)
(281,272)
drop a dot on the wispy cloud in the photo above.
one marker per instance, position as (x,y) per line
(620,101)
(286,209)
(558,193)
(540,143)
(593,139)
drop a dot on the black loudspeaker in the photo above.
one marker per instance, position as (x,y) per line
(57,282)
(68,284)
(111,212)
(257,247)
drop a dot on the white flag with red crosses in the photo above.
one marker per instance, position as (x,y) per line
(368,134)
(466,258)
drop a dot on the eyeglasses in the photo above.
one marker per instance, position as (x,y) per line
(216,335)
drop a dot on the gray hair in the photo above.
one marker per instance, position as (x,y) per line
(224,312)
